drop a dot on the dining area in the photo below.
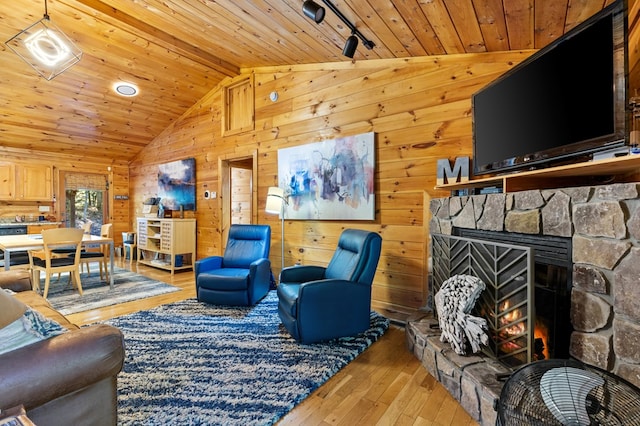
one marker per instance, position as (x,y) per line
(60,250)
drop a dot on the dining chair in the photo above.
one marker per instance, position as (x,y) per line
(99,254)
(44,260)
(67,251)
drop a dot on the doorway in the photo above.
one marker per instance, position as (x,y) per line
(241,182)
(238,191)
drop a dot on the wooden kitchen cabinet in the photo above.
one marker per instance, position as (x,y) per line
(37,229)
(36,183)
(25,182)
(7,181)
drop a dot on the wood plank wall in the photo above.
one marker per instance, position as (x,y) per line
(420,110)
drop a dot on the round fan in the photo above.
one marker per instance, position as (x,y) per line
(567,392)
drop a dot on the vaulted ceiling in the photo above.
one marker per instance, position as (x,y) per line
(178,50)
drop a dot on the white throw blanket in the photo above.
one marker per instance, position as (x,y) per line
(454,301)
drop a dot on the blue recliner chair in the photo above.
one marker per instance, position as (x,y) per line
(317,303)
(242,276)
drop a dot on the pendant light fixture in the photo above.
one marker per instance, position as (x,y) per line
(45,47)
(314,11)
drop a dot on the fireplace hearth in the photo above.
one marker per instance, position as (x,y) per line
(602,224)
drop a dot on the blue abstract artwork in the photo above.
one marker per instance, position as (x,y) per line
(329,180)
(177,184)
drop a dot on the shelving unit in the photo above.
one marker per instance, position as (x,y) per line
(610,170)
(161,241)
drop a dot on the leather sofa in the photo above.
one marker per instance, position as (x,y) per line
(68,379)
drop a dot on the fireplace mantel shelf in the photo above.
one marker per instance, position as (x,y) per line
(621,169)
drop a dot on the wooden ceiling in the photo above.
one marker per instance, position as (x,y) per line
(178,50)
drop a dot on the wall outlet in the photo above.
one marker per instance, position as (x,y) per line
(214,194)
(43,209)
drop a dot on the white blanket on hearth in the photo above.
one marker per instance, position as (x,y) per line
(454,301)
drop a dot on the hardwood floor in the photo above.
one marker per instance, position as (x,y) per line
(385,385)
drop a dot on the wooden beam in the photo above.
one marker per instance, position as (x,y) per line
(180,46)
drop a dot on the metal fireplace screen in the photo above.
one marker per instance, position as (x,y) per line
(507,303)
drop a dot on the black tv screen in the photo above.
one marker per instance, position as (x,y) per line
(566,101)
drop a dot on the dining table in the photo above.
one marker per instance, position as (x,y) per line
(24,242)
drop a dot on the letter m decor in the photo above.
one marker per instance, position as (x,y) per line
(460,172)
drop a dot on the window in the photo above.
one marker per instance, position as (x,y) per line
(85,200)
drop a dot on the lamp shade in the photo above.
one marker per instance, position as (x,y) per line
(275,200)
(46,48)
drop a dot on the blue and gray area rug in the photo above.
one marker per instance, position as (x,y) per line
(190,363)
(96,293)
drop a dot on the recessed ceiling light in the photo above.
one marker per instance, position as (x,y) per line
(125,89)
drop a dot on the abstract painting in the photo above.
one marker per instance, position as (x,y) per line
(177,184)
(329,180)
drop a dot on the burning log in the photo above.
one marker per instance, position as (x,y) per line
(454,301)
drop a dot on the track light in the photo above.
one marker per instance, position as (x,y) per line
(313,10)
(350,46)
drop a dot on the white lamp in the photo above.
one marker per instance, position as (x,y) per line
(276,200)
(43,46)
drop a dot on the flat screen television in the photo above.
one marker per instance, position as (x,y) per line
(562,104)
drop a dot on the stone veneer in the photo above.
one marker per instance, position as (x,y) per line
(604,224)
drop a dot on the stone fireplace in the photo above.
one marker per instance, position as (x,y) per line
(603,223)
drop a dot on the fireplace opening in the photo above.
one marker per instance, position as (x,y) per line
(548,315)
(552,307)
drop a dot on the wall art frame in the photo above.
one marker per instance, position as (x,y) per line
(177,184)
(329,180)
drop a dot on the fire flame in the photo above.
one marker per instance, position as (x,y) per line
(541,332)
(510,317)
(518,327)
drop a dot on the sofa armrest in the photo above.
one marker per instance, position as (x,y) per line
(302,274)
(207,264)
(260,270)
(43,371)
(339,295)
(16,280)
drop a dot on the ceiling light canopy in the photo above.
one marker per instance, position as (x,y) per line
(125,89)
(45,47)
(314,11)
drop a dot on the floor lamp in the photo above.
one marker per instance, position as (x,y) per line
(276,201)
